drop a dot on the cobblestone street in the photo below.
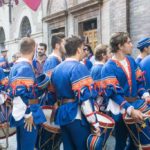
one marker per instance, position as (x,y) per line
(12,143)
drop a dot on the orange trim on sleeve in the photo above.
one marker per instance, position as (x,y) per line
(109,81)
(25,82)
(4,81)
(49,73)
(51,88)
(139,73)
(81,83)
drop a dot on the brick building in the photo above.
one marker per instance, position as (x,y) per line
(97,19)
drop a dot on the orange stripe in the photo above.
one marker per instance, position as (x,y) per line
(81,83)
(138,73)
(92,142)
(25,82)
(109,81)
(4,81)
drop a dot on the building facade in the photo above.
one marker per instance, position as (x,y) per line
(95,19)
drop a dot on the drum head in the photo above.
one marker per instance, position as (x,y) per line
(50,125)
(105,121)
(6,131)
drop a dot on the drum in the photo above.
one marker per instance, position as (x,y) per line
(49,133)
(106,127)
(140,131)
(42,81)
(5,130)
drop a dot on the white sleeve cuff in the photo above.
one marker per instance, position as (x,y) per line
(96,125)
(28,115)
(146,94)
(129,109)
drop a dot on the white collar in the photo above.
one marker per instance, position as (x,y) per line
(98,63)
(71,59)
(23,59)
(53,54)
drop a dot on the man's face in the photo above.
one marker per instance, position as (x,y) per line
(147,50)
(4,54)
(41,50)
(127,47)
(62,47)
(81,52)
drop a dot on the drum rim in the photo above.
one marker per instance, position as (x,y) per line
(52,129)
(130,120)
(103,124)
(3,137)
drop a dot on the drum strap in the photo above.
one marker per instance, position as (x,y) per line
(33,101)
(65,101)
(131,99)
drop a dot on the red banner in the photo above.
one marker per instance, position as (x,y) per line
(33,4)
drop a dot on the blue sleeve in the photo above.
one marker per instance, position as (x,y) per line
(81,82)
(112,87)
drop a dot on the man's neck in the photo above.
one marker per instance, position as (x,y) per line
(119,56)
(41,58)
(57,53)
(142,55)
(28,57)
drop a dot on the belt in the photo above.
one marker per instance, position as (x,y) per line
(131,99)
(65,101)
(33,101)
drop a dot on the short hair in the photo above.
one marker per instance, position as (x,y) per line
(57,39)
(72,44)
(116,39)
(27,45)
(100,50)
(89,48)
(44,45)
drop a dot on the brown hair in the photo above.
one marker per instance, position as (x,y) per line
(27,45)
(116,39)
(100,50)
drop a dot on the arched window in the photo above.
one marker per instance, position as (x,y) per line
(25,28)
(2,38)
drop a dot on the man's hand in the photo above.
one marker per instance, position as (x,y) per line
(29,123)
(96,131)
(147,99)
(137,115)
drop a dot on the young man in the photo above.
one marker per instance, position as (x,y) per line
(144,47)
(3,59)
(101,57)
(40,60)
(26,112)
(72,83)
(55,58)
(123,82)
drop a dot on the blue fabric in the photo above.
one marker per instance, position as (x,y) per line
(96,72)
(145,66)
(121,137)
(88,64)
(117,92)
(66,75)
(25,140)
(50,63)
(145,42)
(75,135)
(138,60)
(23,72)
(4,63)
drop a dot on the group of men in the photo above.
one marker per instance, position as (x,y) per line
(114,83)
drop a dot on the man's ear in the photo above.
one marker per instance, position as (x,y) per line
(119,46)
(57,46)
